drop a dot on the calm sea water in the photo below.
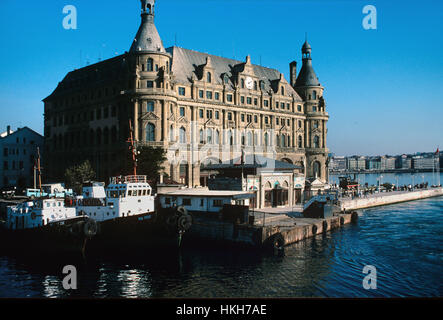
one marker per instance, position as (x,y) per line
(403,241)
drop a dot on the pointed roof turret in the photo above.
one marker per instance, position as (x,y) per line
(147,38)
(307,76)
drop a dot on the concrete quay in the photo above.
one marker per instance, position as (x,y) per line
(386,198)
(275,231)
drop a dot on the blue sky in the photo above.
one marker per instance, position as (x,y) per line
(383,87)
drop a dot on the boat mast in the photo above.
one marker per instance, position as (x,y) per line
(133,149)
(39,171)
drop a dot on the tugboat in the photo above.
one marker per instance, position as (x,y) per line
(126,215)
(45,225)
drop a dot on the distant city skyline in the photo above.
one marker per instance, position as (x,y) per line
(381,86)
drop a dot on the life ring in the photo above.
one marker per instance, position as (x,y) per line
(325,226)
(354,217)
(314,229)
(90,228)
(277,241)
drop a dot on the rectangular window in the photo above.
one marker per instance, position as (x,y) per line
(217,96)
(249,100)
(266,120)
(182,111)
(209,95)
(299,108)
(167,200)
(229,116)
(182,91)
(249,117)
(276,105)
(186,202)
(229,97)
(255,119)
(5,165)
(209,114)
(277,121)
(266,103)
(202,202)
(217,115)
(242,117)
(150,84)
(200,94)
(218,203)
(255,101)
(288,122)
(200,111)
(242,100)
(282,105)
(287,106)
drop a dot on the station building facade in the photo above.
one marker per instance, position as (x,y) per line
(201,108)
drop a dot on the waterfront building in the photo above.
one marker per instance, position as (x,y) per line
(403,162)
(387,163)
(373,163)
(275,183)
(423,163)
(17,158)
(356,163)
(338,163)
(199,107)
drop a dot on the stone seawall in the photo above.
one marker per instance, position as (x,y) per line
(388,198)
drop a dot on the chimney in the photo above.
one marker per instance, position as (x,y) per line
(8,130)
(293,70)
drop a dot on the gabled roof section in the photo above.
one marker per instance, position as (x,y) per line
(187,64)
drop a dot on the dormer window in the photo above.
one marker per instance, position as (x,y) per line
(283,90)
(208,77)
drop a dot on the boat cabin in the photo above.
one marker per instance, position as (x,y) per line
(38,213)
(204,200)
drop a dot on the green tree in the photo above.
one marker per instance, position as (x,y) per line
(77,175)
(149,162)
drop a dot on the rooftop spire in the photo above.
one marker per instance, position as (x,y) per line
(147,38)
(307,76)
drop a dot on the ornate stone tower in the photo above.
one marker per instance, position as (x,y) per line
(153,96)
(310,89)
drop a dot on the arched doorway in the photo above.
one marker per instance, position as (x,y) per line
(316,169)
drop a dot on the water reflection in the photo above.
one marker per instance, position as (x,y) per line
(403,241)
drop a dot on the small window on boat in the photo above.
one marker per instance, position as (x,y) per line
(218,203)
(186,202)
(129,193)
(48,205)
(202,202)
(139,193)
(167,200)
(144,192)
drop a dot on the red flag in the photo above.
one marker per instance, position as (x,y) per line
(437,152)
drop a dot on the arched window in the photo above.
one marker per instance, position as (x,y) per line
(106,136)
(316,169)
(230,138)
(150,64)
(314,95)
(150,132)
(182,135)
(171,134)
(282,90)
(209,77)
(202,138)
(150,106)
(316,142)
(300,142)
(242,83)
(209,136)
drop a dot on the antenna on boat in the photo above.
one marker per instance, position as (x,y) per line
(39,171)
(133,148)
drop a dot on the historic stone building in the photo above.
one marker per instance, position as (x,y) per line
(201,108)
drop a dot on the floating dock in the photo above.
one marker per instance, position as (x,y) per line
(386,198)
